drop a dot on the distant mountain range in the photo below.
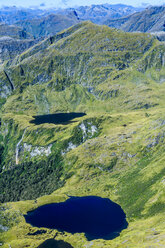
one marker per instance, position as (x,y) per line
(49,25)
(42,23)
(95,13)
(151,20)
(11,15)
(100,13)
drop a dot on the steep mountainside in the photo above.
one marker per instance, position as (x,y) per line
(10,48)
(84,55)
(115,150)
(49,25)
(148,20)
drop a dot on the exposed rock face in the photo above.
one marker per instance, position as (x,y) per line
(37,151)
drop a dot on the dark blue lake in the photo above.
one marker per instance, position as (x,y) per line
(98,218)
(58,118)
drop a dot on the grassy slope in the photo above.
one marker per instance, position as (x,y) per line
(60,73)
(135,180)
(125,162)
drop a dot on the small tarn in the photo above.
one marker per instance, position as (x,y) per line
(59,118)
(96,217)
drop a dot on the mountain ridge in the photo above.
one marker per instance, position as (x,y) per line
(99,13)
(149,20)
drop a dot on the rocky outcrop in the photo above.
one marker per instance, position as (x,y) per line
(37,151)
(88,129)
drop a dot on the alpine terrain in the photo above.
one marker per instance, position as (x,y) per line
(110,85)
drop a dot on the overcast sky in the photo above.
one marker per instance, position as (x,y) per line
(72,3)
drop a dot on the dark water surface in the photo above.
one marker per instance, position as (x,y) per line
(51,243)
(95,216)
(59,118)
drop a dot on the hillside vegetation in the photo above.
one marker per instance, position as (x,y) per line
(116,150)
